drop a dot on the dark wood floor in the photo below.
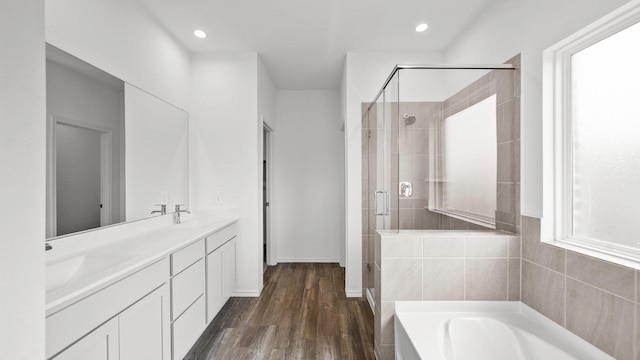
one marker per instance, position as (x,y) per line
(302,314)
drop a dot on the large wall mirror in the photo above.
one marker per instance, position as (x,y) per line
(114,152)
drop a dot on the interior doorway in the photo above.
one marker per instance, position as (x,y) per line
(269,248)
(266,216)
(79,171)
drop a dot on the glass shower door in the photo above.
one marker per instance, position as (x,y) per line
(382,171)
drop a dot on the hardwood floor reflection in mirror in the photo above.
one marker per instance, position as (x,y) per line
(302,313)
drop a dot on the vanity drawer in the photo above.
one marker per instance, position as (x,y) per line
(188,328)
(220,237)
(186,287)
(184,257)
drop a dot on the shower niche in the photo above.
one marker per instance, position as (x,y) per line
(441,151)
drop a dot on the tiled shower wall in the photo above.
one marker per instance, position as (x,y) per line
(505,84)
(413,159)
(412,150)
(595,299)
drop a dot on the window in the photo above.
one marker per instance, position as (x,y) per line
(593,84)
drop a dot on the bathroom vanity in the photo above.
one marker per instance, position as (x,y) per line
(138,291)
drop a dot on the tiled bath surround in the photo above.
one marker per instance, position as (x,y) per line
(441,265)
(595,299)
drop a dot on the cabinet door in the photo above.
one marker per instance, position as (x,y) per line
(188,328)
(215,299)
(144,328)
(100,344)
(229,269)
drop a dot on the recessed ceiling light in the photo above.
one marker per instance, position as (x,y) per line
(422,27)
(200,34)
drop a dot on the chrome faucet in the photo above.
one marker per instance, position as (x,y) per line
(176,214)
(162,211)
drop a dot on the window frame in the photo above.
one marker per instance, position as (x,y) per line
(558,138)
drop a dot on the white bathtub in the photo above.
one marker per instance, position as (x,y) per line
(483,330)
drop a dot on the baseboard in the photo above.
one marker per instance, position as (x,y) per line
(354,293)
(281,260)
(247,293)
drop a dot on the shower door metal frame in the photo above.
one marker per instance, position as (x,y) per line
(438,67)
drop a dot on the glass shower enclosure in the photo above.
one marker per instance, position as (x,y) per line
(440,151)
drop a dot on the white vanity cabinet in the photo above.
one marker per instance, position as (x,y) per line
(100,344)
(155,310)
(188,318)
(221,268)
(143,328)
(124,321)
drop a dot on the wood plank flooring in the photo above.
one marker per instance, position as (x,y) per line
(302,313)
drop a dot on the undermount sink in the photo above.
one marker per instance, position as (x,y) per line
(64,272)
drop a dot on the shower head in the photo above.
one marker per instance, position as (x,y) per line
(409,119)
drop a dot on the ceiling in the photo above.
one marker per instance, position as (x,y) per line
(303,43)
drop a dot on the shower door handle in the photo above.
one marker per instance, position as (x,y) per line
(385,202)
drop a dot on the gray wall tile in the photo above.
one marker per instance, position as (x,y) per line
(514,246)
(387,327)
(505,162)
(401,279)
(514,280)
(504,85)
(443,246)
(637,337)
(489,246)
(603,319)
(543,290)
(536,252)
(505,122)
(377,329)
(616,279)
(486,279)
(386,352)
(443,279)
(401,247)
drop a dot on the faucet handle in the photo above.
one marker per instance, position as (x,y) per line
(163,209)
(178,207)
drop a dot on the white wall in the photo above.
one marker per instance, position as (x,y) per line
(363,77)
(121,38)
(307,176)
(22,159)
(225,147)
(266,96)
(510,27)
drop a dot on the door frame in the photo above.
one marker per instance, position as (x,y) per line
(106,163)
(267,150)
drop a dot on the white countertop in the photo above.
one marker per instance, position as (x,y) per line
(125,254)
